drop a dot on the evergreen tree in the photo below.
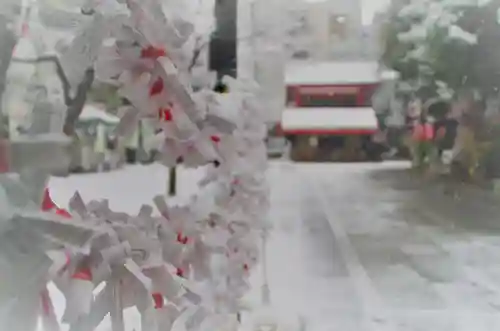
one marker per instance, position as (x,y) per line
(450,48)
(485,58)
(426,43)
(394,51)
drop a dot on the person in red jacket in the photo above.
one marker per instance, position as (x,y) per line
(422,136)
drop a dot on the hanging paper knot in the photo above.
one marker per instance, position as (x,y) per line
(204,121)
(83,274)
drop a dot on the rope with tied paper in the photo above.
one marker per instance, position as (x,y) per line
(189,266)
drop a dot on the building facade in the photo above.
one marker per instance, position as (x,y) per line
(260,49)
(331,29)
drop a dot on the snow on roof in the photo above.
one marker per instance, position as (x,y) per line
(414,9)
(389,75)
(456,32)
(430,15)
(338,72)
(329,119)
(415,34)
(95,113)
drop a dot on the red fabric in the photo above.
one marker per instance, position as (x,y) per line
(423,132)
(83,274)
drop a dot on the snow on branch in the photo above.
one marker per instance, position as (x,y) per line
(417,8)
(59,70)
(416,34)
(457,33)
(427,44)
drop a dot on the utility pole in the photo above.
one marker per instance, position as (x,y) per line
(172,181)
(253,18)
(267,48)
(223,45)
(222,56)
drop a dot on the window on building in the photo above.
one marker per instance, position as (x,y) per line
(328,101)
(338,26)
(301,55)
(290,96)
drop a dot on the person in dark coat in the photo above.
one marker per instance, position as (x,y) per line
(446,132)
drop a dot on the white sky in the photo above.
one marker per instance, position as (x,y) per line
(370,7)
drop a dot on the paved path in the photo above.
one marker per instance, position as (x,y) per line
(354,250)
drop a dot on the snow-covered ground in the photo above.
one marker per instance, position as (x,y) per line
(348,251)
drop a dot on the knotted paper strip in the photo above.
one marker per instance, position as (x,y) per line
(182,266)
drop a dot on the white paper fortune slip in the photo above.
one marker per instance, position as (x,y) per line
(164,264)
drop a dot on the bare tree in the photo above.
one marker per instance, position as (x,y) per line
(200,44)
(74,103)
